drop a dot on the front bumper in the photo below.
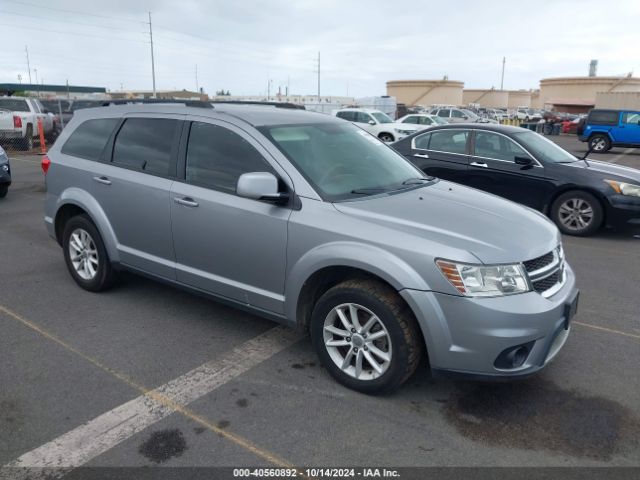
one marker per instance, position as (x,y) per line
(5,174)
(466,335)
(623,212)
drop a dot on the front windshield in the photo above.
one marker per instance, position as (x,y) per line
(470,114)
(543,149)
(342,161)
(381,117)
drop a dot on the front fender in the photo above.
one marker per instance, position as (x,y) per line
(371,259)
(83,199)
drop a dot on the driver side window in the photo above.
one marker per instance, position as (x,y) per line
(497,147)
(362,117)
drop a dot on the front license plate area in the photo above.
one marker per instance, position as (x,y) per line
(570,310)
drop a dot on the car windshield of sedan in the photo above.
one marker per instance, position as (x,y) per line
(343,161)
(543,149)
(381,117)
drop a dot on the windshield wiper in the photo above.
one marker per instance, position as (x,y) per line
(417,180)
(368,191)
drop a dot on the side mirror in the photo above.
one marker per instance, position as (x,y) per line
(371,122)
(260,186)
(524,161)
(465,117)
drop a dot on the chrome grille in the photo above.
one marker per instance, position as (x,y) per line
(546,272)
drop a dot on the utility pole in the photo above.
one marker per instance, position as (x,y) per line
(318,77)
(37,91)
(268,89)
(504,59)
(197,86)
(26,49)
(153,66)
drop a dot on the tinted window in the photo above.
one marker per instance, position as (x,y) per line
(603,117)
(346,115)
(422,142)
(631,118)
(491,145)
(14,105)
(89,139)
(216,157)
(410,120)
(452,141)
(145,144)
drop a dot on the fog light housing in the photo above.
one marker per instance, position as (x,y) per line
(513,357)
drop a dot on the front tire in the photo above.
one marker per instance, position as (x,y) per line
(599,143)
(577,213)
(366,336)
(3,190)
(86,256)
(386,137)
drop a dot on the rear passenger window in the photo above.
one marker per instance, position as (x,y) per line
(347,116)
(90,138)
(603,118)
(450,141)
(216,157)
(145,144)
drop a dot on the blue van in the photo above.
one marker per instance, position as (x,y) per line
(605,129)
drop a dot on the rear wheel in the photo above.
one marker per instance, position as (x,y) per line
(86,256)
(577,213)
(386,137)
(366,336)
(599,143)
(3,190)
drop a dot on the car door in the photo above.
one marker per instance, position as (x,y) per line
(442,153)
(493,168)
(132,186)
(629,129)
(227,245)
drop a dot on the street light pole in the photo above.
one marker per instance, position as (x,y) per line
(153,66)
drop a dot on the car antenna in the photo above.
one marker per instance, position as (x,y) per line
(584,158)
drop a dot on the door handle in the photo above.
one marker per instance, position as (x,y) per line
(103,180)
(479,164)
(186,201)
(421,155)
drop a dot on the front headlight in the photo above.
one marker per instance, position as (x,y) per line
(403,132)
(624,188)
(485,280)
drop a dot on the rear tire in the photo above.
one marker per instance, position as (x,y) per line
(577,213)
(381,313)
(3,190)
(86,256)
(600,143)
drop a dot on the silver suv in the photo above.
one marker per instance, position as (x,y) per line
(308,220)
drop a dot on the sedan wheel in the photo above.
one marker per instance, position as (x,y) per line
(357,341)
(577,213)
(386,137)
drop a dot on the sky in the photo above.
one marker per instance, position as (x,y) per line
(242,45)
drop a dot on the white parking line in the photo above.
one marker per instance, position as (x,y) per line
(82,444)
(621,155)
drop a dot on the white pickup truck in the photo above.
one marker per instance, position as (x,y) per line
(19,122)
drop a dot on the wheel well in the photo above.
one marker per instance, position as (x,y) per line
(65,213)
(595,193)
(386,133)
(604,134)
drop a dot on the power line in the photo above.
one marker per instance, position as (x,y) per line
(88,35)
(65,21)
(75,12)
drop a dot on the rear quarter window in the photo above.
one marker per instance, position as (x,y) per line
(603,117)
(89,139)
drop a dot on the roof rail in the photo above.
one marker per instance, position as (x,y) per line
(256,102)
(157,101)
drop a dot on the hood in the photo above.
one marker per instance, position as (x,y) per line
(609,169)
(492,229)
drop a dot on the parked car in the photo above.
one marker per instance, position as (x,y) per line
(61,109)
(523,166)
(457,115)
(604,129)
(310,221)
(375,122)
(5,173)
(19,121)
(418,121)
(497,114)
(527,114)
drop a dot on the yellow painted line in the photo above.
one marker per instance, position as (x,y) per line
(154,394)
(605,329)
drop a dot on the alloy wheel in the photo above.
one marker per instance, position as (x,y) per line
(357,341)
(575,214)
(83,254)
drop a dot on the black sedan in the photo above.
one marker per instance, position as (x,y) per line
(579,195)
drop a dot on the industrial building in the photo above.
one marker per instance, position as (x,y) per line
(578,94)
(426,92)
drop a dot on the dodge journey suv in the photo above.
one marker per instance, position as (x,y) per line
(310,221)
